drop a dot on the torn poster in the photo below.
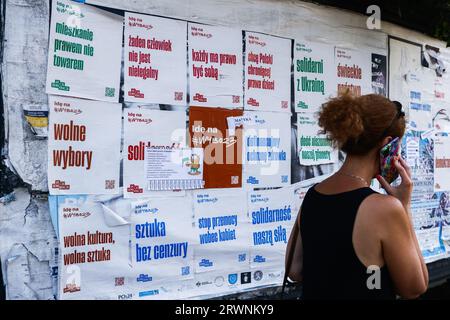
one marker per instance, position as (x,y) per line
(155,59)
(271,218)
(83,146)
(162,237)
(37,118)
(354,71)
(94,253)
(441,104)
(174,169)
(314,76)
(267,150)
(222,230)
(442,163)
(424,201)
(222,152)
(142,127)
(379,74)
(85,52)
(314,147)
(267,73)
(215,66)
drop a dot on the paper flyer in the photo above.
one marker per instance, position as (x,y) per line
(267,150)
(215,66)
(442,163)
(83,146)
(314,76)
(222,230)
(271,217)
(155,59)
(208,129)
(174,169)
(85,50)
(267,73)
(142,128)
(354,71)
(162,237)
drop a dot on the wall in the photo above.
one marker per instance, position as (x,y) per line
(27,239)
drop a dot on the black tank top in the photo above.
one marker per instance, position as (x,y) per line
(331,268)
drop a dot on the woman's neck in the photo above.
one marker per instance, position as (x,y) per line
(365,167)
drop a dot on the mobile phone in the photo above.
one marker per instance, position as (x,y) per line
(387,154)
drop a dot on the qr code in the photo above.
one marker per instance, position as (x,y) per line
(178,96)
(234,179)
(119,281)
(110,92)
(185,271)
(236,99)
(110,184)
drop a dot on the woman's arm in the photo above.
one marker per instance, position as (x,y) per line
(401,249)
(296,249)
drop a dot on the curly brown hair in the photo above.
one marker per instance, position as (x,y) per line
(358,124)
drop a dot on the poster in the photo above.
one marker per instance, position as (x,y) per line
(93,249)
(379,74)
(155,59)
(83,146)
(354,71)
(37,119)
(215,66)
(419,154)
(143,127)
(421,92)
(85,51)
(314,76)
(442,163)
(267,73)
(267,150)
(162,237)
(174,169)
(222,230)
(314,148)
(271,218)
(441,105)
(208,129)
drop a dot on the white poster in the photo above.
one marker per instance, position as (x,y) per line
(267,73)
(144,128)
(354,71)
(94,249)
(314,147)
(421,94)
(267,150)
(271,218)
(442,163)
(83,146)
(155,59)
(314,75)
(85,50)
(162,237)
(222,230)
(174,169)
(215,66)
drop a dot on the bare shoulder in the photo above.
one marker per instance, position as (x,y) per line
(383,211)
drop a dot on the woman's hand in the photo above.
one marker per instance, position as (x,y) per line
(404,190)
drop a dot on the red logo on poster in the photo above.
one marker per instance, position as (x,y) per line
(134,189)
(253,102)
(199,97)
(61,185)
(135,93)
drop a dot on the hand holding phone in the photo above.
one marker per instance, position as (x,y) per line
(387,154)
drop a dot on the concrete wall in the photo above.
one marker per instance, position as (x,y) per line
(27,239)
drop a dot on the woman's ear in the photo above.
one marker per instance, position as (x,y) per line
(385,141)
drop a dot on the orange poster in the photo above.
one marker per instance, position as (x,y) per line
(222,155)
